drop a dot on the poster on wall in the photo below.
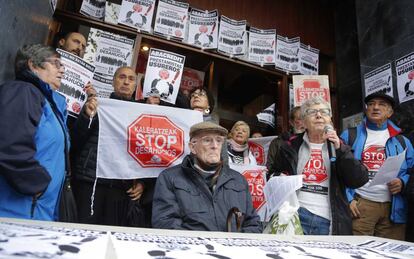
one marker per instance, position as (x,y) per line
(287,51)
(137,14)
(308,60)
(379,80)
(262,46)
(352,121)
(405,74)
(191,79)
(163,74)
(77,74)
(171,19)
(203,28)
(232,36)
(93,8)
(113,51)
(307,87)
(102,85)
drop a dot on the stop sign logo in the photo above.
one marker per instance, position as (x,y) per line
(257,181)
(155,141)
(258,152)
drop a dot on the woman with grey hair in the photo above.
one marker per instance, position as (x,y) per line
(33,136)
(323,206)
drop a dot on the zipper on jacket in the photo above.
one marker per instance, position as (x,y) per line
(32,208)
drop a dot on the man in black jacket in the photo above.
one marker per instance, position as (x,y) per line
(102,201)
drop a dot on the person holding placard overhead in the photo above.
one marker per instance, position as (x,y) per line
(379,210)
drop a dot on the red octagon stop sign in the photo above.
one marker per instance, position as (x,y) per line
(155,141)
(258,152)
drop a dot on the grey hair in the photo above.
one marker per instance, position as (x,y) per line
(37,53)
(311,102)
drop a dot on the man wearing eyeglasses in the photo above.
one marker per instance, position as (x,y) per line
(199,193)
(379,210)
(323,207)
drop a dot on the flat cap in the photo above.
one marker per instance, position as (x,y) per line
(207,126)
(381,95)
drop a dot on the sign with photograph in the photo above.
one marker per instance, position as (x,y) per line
(203,28)
(405,74)
(137,14)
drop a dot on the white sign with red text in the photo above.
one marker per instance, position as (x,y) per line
(260,148)
(141,140)
(306,87)
(137,14)
(256,178)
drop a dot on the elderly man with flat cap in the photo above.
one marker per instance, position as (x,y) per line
(379,210)
(199,193)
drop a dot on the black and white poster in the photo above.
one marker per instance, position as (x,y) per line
(163,74)
(232,36)
(113,51)
(137,14)
(379,80)
(262,46)
(405,74)
(102,85)
(36,241)
(308,60)
(53,5)
(203,28)
(171,19)
(77,74)
(287,51)
(93,8)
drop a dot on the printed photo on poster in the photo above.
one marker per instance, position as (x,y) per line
(77,74)
(262,46)
(137,14)
(232,36)
(93,8)
(203,28)
(287,51)
(405,74)
(308,60)
(171,19)
(163,74)
(307,87)
(379,80)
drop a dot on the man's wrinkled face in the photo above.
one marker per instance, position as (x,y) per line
(124,82)
(75,44)
(378,110)
(206,146)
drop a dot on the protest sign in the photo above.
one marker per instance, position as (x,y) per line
(137,14)
(102,85)
(203,28)
(171,19)
(163,74)
(405,74)
(307,87)
(308,60)
(232,36)
(145,138)
(262,46)
(287,51)
(93,8)
(191,79)
(379,79)
(77,74)
(260,148)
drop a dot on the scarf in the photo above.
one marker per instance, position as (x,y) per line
(240,148)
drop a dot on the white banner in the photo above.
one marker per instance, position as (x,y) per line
(379,79)
(405,74)
(102,85)
(171,19)
(262,46)
(93,8)
(232,36)
(77,74)
(307,87)
(141,140)
(260,148)
(256,178)
(203,28)
(308,60)
(113,51)
(137,14)
(163,74)
(287,51)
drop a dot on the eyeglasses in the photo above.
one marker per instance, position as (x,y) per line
(208,140)
(56,62)
(323,112)
(198,93)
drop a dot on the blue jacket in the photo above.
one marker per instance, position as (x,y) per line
(392,148)
(32,148)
